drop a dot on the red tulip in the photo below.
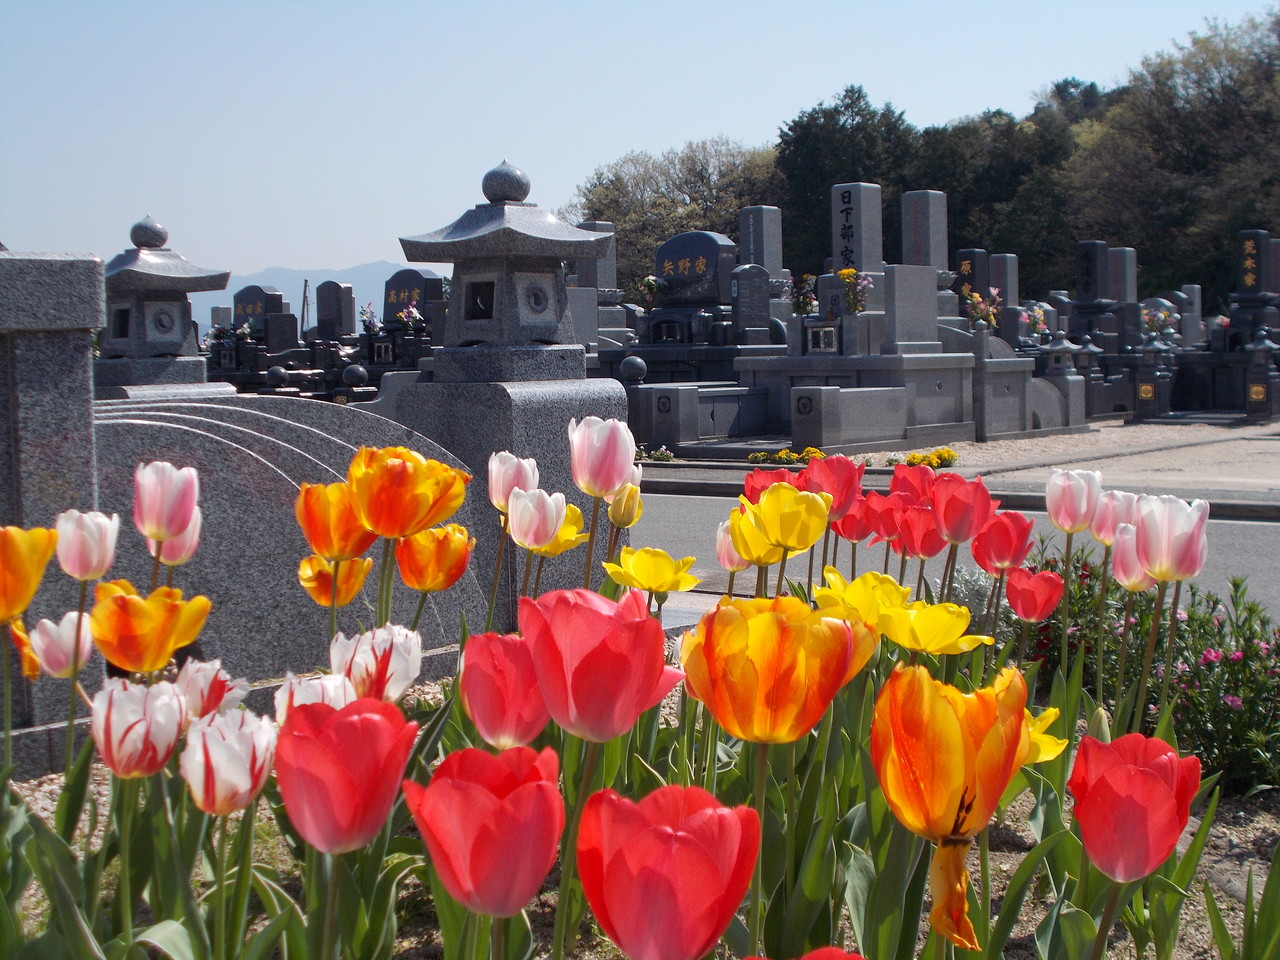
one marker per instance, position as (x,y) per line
(208,688)
(1133,798)
(1003,543)
(664,876)
(758,481)
(1033,596)
(837,475)
(825,953)
(600,664)
(918,534)
(339,770)
(963,507)
(916,482)
(499,689)
(884,512)
(855,525)
(491,824)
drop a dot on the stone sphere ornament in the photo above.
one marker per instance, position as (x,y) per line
(505,183)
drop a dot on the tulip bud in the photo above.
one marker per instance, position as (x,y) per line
(381,664)
(86,543)
(534,517)
(1099,725)
(333,689)
(175,552)
(63,647)
(625,507)
(508,472)
(227,760)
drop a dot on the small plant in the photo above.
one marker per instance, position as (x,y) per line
(650,286)
(856,287)
(1155,320)
(1035,320)
(411,318)
(805,302)
(987,309)
(937,459)
(371,322)
(662,454)
(786,456)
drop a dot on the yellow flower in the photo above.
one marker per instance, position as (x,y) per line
(315,574)
(626,507)
(793,519)
(23,556)
(653,570)
(567,537)
(1044,746)
(140,634)
(747,533)
(863,599)
(934,628)
(436,558)
(397,492)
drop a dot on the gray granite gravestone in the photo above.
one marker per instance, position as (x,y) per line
(1122,266)
(856,227)
(749,297)
(599,272)
(924,228)
(335,310)
(760,238)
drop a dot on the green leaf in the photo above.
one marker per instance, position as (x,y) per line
(1221,935)
(1077,929)
(170,938)
(262,944)
(1016,892)
(75,787)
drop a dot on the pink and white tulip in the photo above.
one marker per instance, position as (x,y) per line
(508,472)
(1172,536)
(1071,497)
(58,648)
(136,727)
(726,553)
(208,688)
(381,664)
(86,543)
(602,455)
(227,760)
(534,517)
(175,552)
(331,688)
(1114,508)
(164,499)
(1126,568)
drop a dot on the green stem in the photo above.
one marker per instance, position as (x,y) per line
(383,613)
(1170,660)
(782,572)
(220,946)
(1140,705)
(1022,641)
(949,571)
(155,566)
(790,826)
(528,566)
(902,565)
(591,549)
(1108,919)
(853,561)
(732,574)
(126,801)
(1124,646)
(885,569)
(497,571)
(537,575)
(813,549)
(1100,632)
(569,847)
(757,879)
(8,705)
(762,580)
(984,873)
(329,944)
(919,580)
(1064,606)
(498,938)
(417,614)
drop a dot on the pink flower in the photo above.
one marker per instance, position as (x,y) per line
(86,543)
(1232,701)
(1125,566)
(1236,656)
(208,688)
(1172,541)
(602,455)
(55,644)
(227,760)
(1210,656)
(164,499)
(180,549)
(726,554)
(1114,508)
(508,472)
(136,727)
(534,517)
(1071,497)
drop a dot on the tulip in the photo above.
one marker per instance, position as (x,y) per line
(26,656)
(626,507)
(1044,746)
(1133,798)
(652,570)
(855,526)
(164,499)
(86,543)
(508,472)
(23,556)
(180,549)
(1114,508)
(227,760)
(491,825)
(334,689)
(207,688)
(943,760)
(140,635)
(934,628)
(602,455)
(1003,543)
(136,727)
(884,513)
(862,599)
(962,507)
(436,558)
(837,475)
(768,669)
(1125,565)
(339,770)
(914,482)
(535,517)
(600,664)
(567,537)
(63,647)
(918,533)
(677,855)
(381,664)
(1033,596)
(499,689)
(315,575)
(1171,537)
(759,480)
(726,554)
(747,533)
(397,492)
(791,518)
(328,518)
(1071,498)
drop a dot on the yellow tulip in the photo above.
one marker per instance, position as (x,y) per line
(315,574)
(140,634)
(861,599)
(652,570)
(1044,746)
(793,519)
(934,628)
(767,669)
(397,492)
(23,556)
(943,759)
(748,537)
(567,537)
(626,507)
(436,558)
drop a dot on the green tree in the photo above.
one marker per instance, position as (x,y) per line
(700,186)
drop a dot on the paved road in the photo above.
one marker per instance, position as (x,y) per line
(686,525)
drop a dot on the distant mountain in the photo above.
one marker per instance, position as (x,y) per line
(367,281)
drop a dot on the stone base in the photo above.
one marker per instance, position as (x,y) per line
(486,363)
(110,376)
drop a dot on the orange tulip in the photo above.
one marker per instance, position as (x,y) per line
(26,656)
(943,759)
(327,515)
(436,558)
(140,634)
(315,573)
(768,669)
(23,556)
(397,492)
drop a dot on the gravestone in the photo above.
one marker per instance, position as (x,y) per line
(335,310)
(910,310)
(973,274)
(1122,266)
(1192,325)
(857,236)
(408,287)
(252,303)
(599,272)
(695,268)
(1093,272)
(1003,272)
(1273,280)
(924,228)
(280,332)
(760,238)
(749,298)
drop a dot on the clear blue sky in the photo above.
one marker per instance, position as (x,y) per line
(314,134)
